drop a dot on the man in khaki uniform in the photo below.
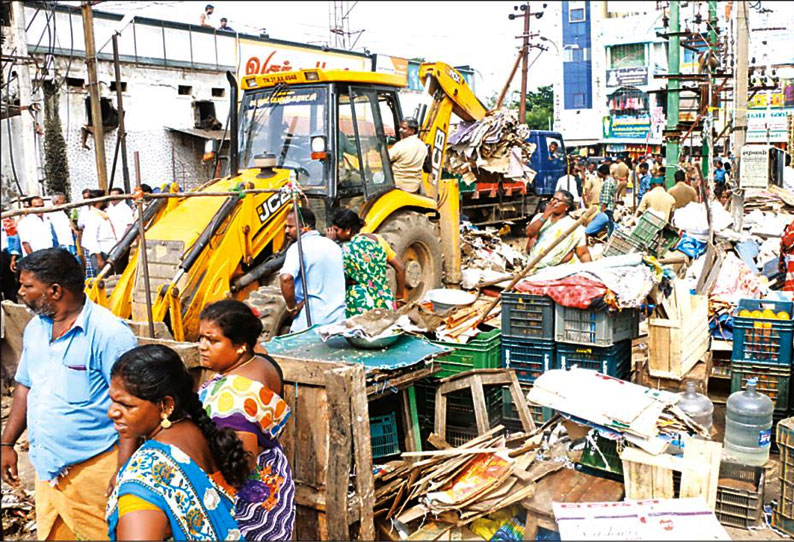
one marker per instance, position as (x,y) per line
(657,199)
(620,172)
(592,186)
(407,157)
(682,192)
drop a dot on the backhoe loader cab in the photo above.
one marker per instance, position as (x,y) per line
(328,131)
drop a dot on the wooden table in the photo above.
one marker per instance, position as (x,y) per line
(566,485)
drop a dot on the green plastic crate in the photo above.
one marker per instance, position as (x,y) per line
(510,418)
(648,227)
(773,381)
(383,434)
(608,448)
(482,352)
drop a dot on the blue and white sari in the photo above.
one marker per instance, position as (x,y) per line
(197,507)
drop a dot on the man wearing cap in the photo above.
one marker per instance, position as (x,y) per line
(407,157)
(658,200)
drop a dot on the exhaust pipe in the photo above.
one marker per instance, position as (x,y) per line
(234,150)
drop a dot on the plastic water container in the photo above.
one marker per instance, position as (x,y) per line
(748,425)
(697,406)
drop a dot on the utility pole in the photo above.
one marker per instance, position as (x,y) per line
(524,53)
(673,93)
(26,166)
(740,106)
(707,156)
(93,88)
(522,108)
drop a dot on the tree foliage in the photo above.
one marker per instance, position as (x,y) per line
(539,106)
(56,164)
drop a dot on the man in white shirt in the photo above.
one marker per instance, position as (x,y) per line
(407,157)
(35,232)
(99,236)
(205,19)
(568,182)
(62,225)
(120,213)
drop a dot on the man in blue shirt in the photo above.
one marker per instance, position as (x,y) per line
(325,275)
(61,397)
(719,172)
(645,181)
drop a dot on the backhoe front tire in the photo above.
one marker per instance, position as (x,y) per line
(273,312)
(416,241)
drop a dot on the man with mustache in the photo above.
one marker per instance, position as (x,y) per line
(61,396)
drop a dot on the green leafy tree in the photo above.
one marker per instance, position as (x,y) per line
(539,109)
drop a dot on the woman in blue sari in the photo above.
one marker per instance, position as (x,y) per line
(178,483)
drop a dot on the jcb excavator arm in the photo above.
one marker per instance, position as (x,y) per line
(450,95)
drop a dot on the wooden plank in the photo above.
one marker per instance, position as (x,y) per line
(306,371)
(521,404)
(490,377)
(362,450)
(338,389)
(480,410)
(440,424)
(376,390)
(702,483)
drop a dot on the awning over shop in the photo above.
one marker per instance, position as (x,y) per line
(203,134)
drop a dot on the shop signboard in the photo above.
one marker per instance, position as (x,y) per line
(627,77)
(257,57)
(393,65)
(627,127)
(761,120)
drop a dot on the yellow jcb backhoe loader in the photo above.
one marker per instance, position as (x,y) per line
(328,131)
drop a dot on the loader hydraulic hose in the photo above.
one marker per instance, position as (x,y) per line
(270,265)
(123,246)
(211,229)
(234,149)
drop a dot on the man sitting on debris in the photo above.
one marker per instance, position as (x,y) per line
(657,199)
(325,274)
(407,157)
(545,228)
(682,192)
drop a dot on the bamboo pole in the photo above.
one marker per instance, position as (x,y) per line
(68,206)
(536,260)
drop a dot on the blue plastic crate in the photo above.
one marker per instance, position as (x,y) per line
(383,434)
(527,316)
(595,328)
(612,360)
(529,358)
(763,340)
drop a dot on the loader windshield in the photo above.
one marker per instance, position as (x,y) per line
(282,121)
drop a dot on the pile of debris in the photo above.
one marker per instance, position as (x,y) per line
(19,514)
(454,487)
(497,144)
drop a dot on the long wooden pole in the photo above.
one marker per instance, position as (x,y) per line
(93,89)
(142,248)
(539,256)
(502,94)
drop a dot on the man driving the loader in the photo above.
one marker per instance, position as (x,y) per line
(407,157)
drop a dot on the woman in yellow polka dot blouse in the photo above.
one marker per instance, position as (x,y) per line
(245,396)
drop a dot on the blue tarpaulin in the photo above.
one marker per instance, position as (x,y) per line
(408,350)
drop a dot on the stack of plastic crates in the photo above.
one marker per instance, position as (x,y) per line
(481,352)
(510,418)
(612,360)
(762,349)
(740,495)
(783,515)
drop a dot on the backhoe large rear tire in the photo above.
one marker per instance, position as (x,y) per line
(416,241)
(272,311)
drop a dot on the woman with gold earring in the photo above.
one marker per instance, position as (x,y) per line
(179,483)
(245,396)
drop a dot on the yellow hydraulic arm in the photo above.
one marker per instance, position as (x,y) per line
(450,95)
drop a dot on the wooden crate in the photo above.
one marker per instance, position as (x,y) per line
(678,342)
(699,373)
(647,476)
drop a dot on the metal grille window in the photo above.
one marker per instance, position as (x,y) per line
(627,56)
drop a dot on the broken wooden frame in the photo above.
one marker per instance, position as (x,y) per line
(475,379)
